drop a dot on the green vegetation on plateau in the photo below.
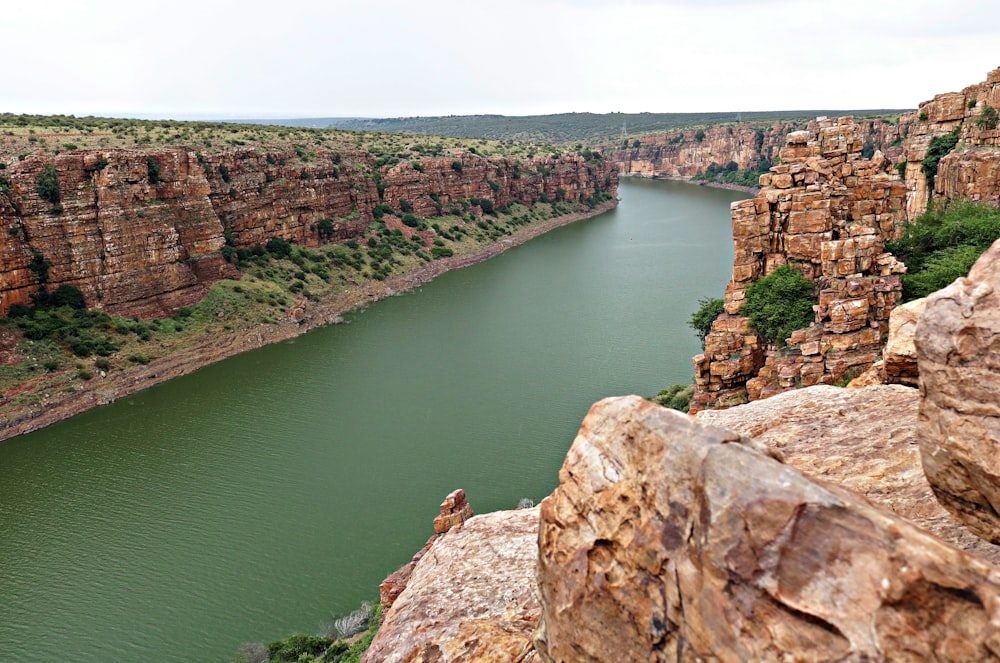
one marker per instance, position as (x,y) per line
(573,127)
(943,243)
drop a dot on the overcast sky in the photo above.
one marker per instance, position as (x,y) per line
(305,58)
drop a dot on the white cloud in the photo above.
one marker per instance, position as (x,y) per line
(306,57)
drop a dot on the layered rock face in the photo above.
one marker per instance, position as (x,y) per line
(957,341)
(681,154)
(668,540)
(828,212)
(139,231)
(969,172)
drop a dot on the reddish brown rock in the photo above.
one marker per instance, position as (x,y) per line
(899,354)
(141,235)
(667,540)
(455,510)
(959,359)
(861,439)
(681,155)
(828,212)
(470,598)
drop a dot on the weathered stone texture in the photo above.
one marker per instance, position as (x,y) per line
(471,597)
(681,154)
(828,212)
(861,439)
(141,234)
(668,540)
(958,351)
(900,354)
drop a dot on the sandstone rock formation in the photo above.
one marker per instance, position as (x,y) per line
(828,212)
(139,232)
(969,172)
(455,510)
(680,154)
(900,354)
(959,359)
(864,440)
(668,540)
(471,598)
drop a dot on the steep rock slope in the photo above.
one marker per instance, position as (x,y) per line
(827,211)
(139,232)
(687,153)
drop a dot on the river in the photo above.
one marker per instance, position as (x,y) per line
(251,499)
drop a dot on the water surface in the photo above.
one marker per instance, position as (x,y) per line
(252,498)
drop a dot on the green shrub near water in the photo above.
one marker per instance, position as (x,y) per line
(779,304)
(701,320)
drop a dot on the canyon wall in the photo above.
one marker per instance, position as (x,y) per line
(828,211)
(685,154)
(139,232)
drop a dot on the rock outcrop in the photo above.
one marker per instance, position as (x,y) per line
(864,440)
(827,211)
(139,232)
(900,353)
(968,172)
(668,540)
(958,350)
(454,511)
(471,598)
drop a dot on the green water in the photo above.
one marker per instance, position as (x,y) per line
(252,498)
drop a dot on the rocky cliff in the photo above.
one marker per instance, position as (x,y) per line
(828,211)
(685,154)
(139,232)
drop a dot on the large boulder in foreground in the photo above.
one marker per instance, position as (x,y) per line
(670,540)
(958,350)
(861,439)
(471,597)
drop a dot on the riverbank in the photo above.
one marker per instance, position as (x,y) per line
(213,347)
(754,190)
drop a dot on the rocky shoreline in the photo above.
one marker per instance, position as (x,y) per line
(212,348)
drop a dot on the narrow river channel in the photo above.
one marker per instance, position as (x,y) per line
(254,497)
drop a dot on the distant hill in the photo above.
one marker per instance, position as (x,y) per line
(561,128)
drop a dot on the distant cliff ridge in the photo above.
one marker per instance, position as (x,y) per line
(140,231)
(752,147)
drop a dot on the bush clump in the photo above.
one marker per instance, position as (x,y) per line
(48,184)
(779,304)
(943,243)
(701,320)
(677,397)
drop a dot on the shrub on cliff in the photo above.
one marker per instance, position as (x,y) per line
(988,118)
(48,184)
(943,243)
(701,320)
(278,247)
(779,304)
(939,147)
(153,170)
